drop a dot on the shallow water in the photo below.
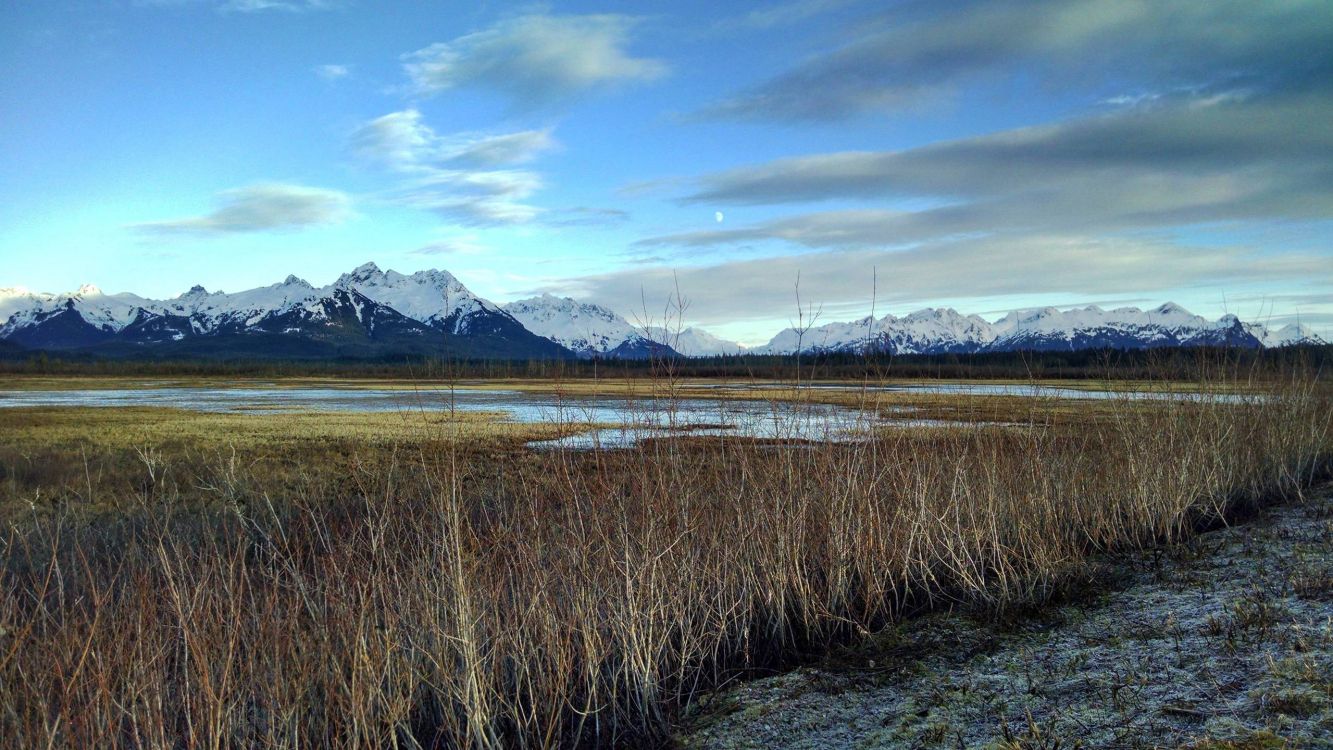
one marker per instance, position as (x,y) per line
(630,420)
(1006,389)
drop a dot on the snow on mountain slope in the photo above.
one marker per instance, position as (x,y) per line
(1049,319)
(218,311)
(590,330)
(1290,335)
(945,330)
(366,304)
(386,305)
(105,312)
(16,298)
(922,332)
(695,342)
(582,327)
(433,297)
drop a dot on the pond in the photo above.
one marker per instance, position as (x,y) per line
(621,420)
(627,420)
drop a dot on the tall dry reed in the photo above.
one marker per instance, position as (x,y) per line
(582,597)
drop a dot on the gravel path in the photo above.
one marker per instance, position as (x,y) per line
(1223,642)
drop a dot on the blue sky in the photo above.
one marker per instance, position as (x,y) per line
(986,155)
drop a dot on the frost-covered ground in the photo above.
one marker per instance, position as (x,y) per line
(1223,642)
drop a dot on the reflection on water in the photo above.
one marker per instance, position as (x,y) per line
(623,421)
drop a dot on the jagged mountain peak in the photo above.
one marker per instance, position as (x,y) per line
(942,314)
(927,313)
(553,304)
(434,296)
(438,279)
(1039,313)
(362,274)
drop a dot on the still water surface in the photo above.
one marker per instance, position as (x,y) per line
(629,420)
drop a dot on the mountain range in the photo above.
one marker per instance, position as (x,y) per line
(368,312)
(946,331)
(365,313)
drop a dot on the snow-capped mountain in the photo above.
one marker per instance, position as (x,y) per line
(592,330)
(364,313)
(927,331)
(1122,328)
(219,312)
(584,328)
(82,317)
(1292,334)
(370,312)
(696,342)
(937,331)
(432,297)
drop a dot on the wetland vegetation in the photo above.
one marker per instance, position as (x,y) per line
(420,578)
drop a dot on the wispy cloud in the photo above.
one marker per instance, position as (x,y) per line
(250,6)
(924,49)
(467,177)
(404,142)
(476,200)
(291,6)
(506,148)
(464,244)
(587,216)
(536,60)
(333,72)
(262,207)
(781,14)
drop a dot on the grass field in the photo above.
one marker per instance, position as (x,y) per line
(170,578)
(89,458)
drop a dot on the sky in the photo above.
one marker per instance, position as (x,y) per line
(832,157)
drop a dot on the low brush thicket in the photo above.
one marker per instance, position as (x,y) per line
(582,598)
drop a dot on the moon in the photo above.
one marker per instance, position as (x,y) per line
(717,215)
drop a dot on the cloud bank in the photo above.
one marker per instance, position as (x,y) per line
(924,49)
(764,288)
(1152,168)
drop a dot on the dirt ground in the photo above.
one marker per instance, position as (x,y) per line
(1225,641)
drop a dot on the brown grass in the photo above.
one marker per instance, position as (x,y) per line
(89,458)
(442,597)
